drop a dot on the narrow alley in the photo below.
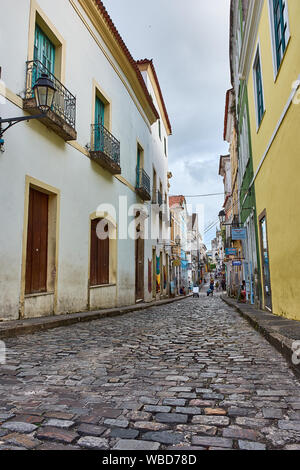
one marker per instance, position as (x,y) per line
(189,375)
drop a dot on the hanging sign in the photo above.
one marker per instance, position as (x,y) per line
(238,234)
(231,251)
(236,263)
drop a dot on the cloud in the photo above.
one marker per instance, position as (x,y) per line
(189,44)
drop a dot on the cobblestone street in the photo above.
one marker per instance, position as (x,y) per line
(189,375)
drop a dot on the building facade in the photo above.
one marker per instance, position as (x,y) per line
(247,201)
(77,186)
(270,67)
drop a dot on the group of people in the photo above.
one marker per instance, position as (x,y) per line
(220,286)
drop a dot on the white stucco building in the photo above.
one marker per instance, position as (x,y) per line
(102,148)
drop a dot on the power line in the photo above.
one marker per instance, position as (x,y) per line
(203,195)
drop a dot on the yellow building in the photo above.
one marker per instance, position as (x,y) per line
(270,67)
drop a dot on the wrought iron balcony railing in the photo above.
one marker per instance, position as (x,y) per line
(64,103)
(143,184)
(105,148)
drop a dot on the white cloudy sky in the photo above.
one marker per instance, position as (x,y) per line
(188,42)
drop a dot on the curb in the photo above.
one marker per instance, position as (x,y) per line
(15,328)
(282,343)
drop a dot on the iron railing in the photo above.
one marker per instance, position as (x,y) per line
(142,180)
(103,141)
(64,103)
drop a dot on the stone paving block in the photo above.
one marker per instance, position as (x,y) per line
(91,430)
(188,410)
(59,423)
(157,409)
(149,400)
(289,425)
(241,433)
(22,440)
(138,416)
(124,433)
(248,445)
(27,419)
(272,413)
(212,441)
(130,444)
(239,411)
(292,447)
(197,429)
(215,411)
(59,415)
(120,423)
(19,427)
(92,442)
(56,434)
(164,437)
(171,418)
(252,422)
(174,402)
(211,420)
(149,425)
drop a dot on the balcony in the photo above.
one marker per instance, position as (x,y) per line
(105,149)
(62,116)
(143,184)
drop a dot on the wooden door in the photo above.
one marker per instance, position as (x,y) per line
(99,262)
(139,268)
(37,243)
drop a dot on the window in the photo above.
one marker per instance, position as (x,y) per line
(99,263)
(159,129)
(165,146)
(258,88)
(44,50)
(99,122)
(244,143)
(280,29)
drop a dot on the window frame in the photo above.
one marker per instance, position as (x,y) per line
(276,66)
(259,117)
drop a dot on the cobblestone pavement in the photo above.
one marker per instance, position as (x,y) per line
(188,375)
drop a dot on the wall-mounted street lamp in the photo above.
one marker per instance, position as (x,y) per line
(222,217)
(44,91)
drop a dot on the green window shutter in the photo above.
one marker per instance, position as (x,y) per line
(138,165)
(99,119)
(44,50)
(280,26)
(259,91)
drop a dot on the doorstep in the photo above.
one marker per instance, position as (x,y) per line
(14,328)
(279,331)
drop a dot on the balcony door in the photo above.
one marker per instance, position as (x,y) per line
(99,122)
(44,50)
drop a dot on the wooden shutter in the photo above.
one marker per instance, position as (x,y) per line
(37,243)
(99,262)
